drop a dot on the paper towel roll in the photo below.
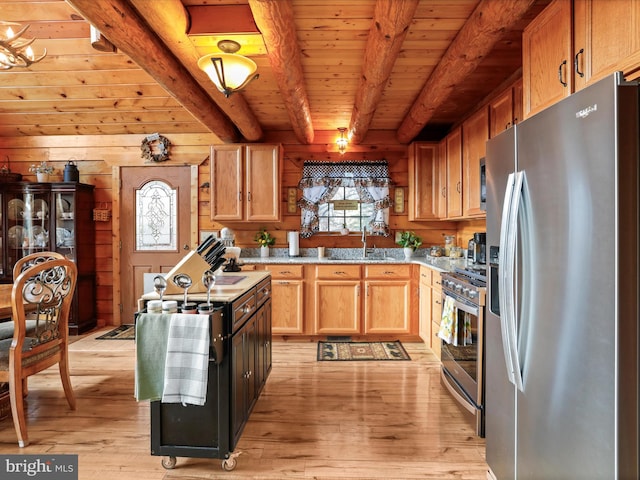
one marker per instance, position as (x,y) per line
(294,244)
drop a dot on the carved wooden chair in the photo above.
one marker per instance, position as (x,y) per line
(45,290)
(31,259)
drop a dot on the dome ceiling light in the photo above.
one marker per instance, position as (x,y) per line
(229,71)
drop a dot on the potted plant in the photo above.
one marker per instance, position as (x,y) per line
(410,242)
(265,240)
(42,171)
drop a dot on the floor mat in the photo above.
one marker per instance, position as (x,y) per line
(123,332)
(362,351)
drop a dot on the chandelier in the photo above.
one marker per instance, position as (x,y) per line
(14,50)
(228,71)
(342,142)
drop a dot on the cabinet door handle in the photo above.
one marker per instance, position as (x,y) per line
(283,282)
(458,187)
(249,197)
(560,76)
(358,290)
(576,62)
(444,192)
(367,290)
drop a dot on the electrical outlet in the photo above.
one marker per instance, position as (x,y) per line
(398,235)
(205,233)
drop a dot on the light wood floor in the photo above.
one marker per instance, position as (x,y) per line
(314,420)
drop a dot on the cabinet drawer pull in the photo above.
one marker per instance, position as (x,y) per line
(386,272)
(340,273)
(560,76)
(246,309)
(576,62)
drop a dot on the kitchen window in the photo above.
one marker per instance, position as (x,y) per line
(351,194)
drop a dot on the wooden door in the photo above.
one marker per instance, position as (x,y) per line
(454,173)
(547,61)
(262,170)
(227,191)
(475,131)
(136,258)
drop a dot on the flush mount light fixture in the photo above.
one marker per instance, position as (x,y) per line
(16,51)
(342,142)
(229,71)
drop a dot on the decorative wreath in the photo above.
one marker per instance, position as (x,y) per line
(161,145)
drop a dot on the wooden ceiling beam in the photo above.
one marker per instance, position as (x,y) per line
(476,39)
(391,22)
(170,23)
(121,24)
(277,24)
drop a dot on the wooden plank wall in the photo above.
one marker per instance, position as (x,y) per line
(96,155)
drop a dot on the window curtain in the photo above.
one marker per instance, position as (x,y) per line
(319,183)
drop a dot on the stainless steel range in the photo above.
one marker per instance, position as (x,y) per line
(463,292)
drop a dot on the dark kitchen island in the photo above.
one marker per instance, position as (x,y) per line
(239,364)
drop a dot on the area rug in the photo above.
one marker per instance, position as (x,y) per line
(362,351)
(123,332)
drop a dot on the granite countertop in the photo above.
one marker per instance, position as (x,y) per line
(348,256)
(228,287)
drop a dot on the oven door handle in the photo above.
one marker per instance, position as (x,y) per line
(466,308)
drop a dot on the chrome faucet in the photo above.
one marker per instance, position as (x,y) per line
(364,242)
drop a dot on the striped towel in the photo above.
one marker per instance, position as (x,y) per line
(186,367)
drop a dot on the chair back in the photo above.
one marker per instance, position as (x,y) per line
(29,260)
(43,292)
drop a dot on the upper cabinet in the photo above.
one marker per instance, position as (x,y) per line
(505,110)
(423,181)
(546,58)
(475,133)
(574,43)
(245,182)
(454,173)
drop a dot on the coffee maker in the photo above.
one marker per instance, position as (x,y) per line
(480,248)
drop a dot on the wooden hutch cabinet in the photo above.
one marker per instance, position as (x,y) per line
(38,217)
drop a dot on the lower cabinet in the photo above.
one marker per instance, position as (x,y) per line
(436,312)
(387,299)
(243,372)
(424,329)
(287,299)
(337,300)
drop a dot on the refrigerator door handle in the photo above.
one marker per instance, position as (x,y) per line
(503,279)
(507,256)
(511,272)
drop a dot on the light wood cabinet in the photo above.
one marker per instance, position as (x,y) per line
(436,311)
(245,182)
(287,299)
(572,44)
(337,300)
(387,299)
(475,133)
(546,62)
(505,110)
(442,180)
(454,173)
(424,329)
(423,181)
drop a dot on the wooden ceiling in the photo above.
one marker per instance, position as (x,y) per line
(409,66)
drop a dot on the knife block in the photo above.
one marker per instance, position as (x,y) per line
(192,264)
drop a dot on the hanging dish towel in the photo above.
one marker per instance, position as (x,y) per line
(448,325)
(468,337)
(152,331)
(186,366)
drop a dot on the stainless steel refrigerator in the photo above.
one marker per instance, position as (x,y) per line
(562,298)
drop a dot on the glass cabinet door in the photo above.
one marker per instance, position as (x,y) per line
(28,225)
(65,223)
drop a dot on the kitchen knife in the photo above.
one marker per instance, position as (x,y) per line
(206,244)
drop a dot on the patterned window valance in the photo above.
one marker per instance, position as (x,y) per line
(321,179)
